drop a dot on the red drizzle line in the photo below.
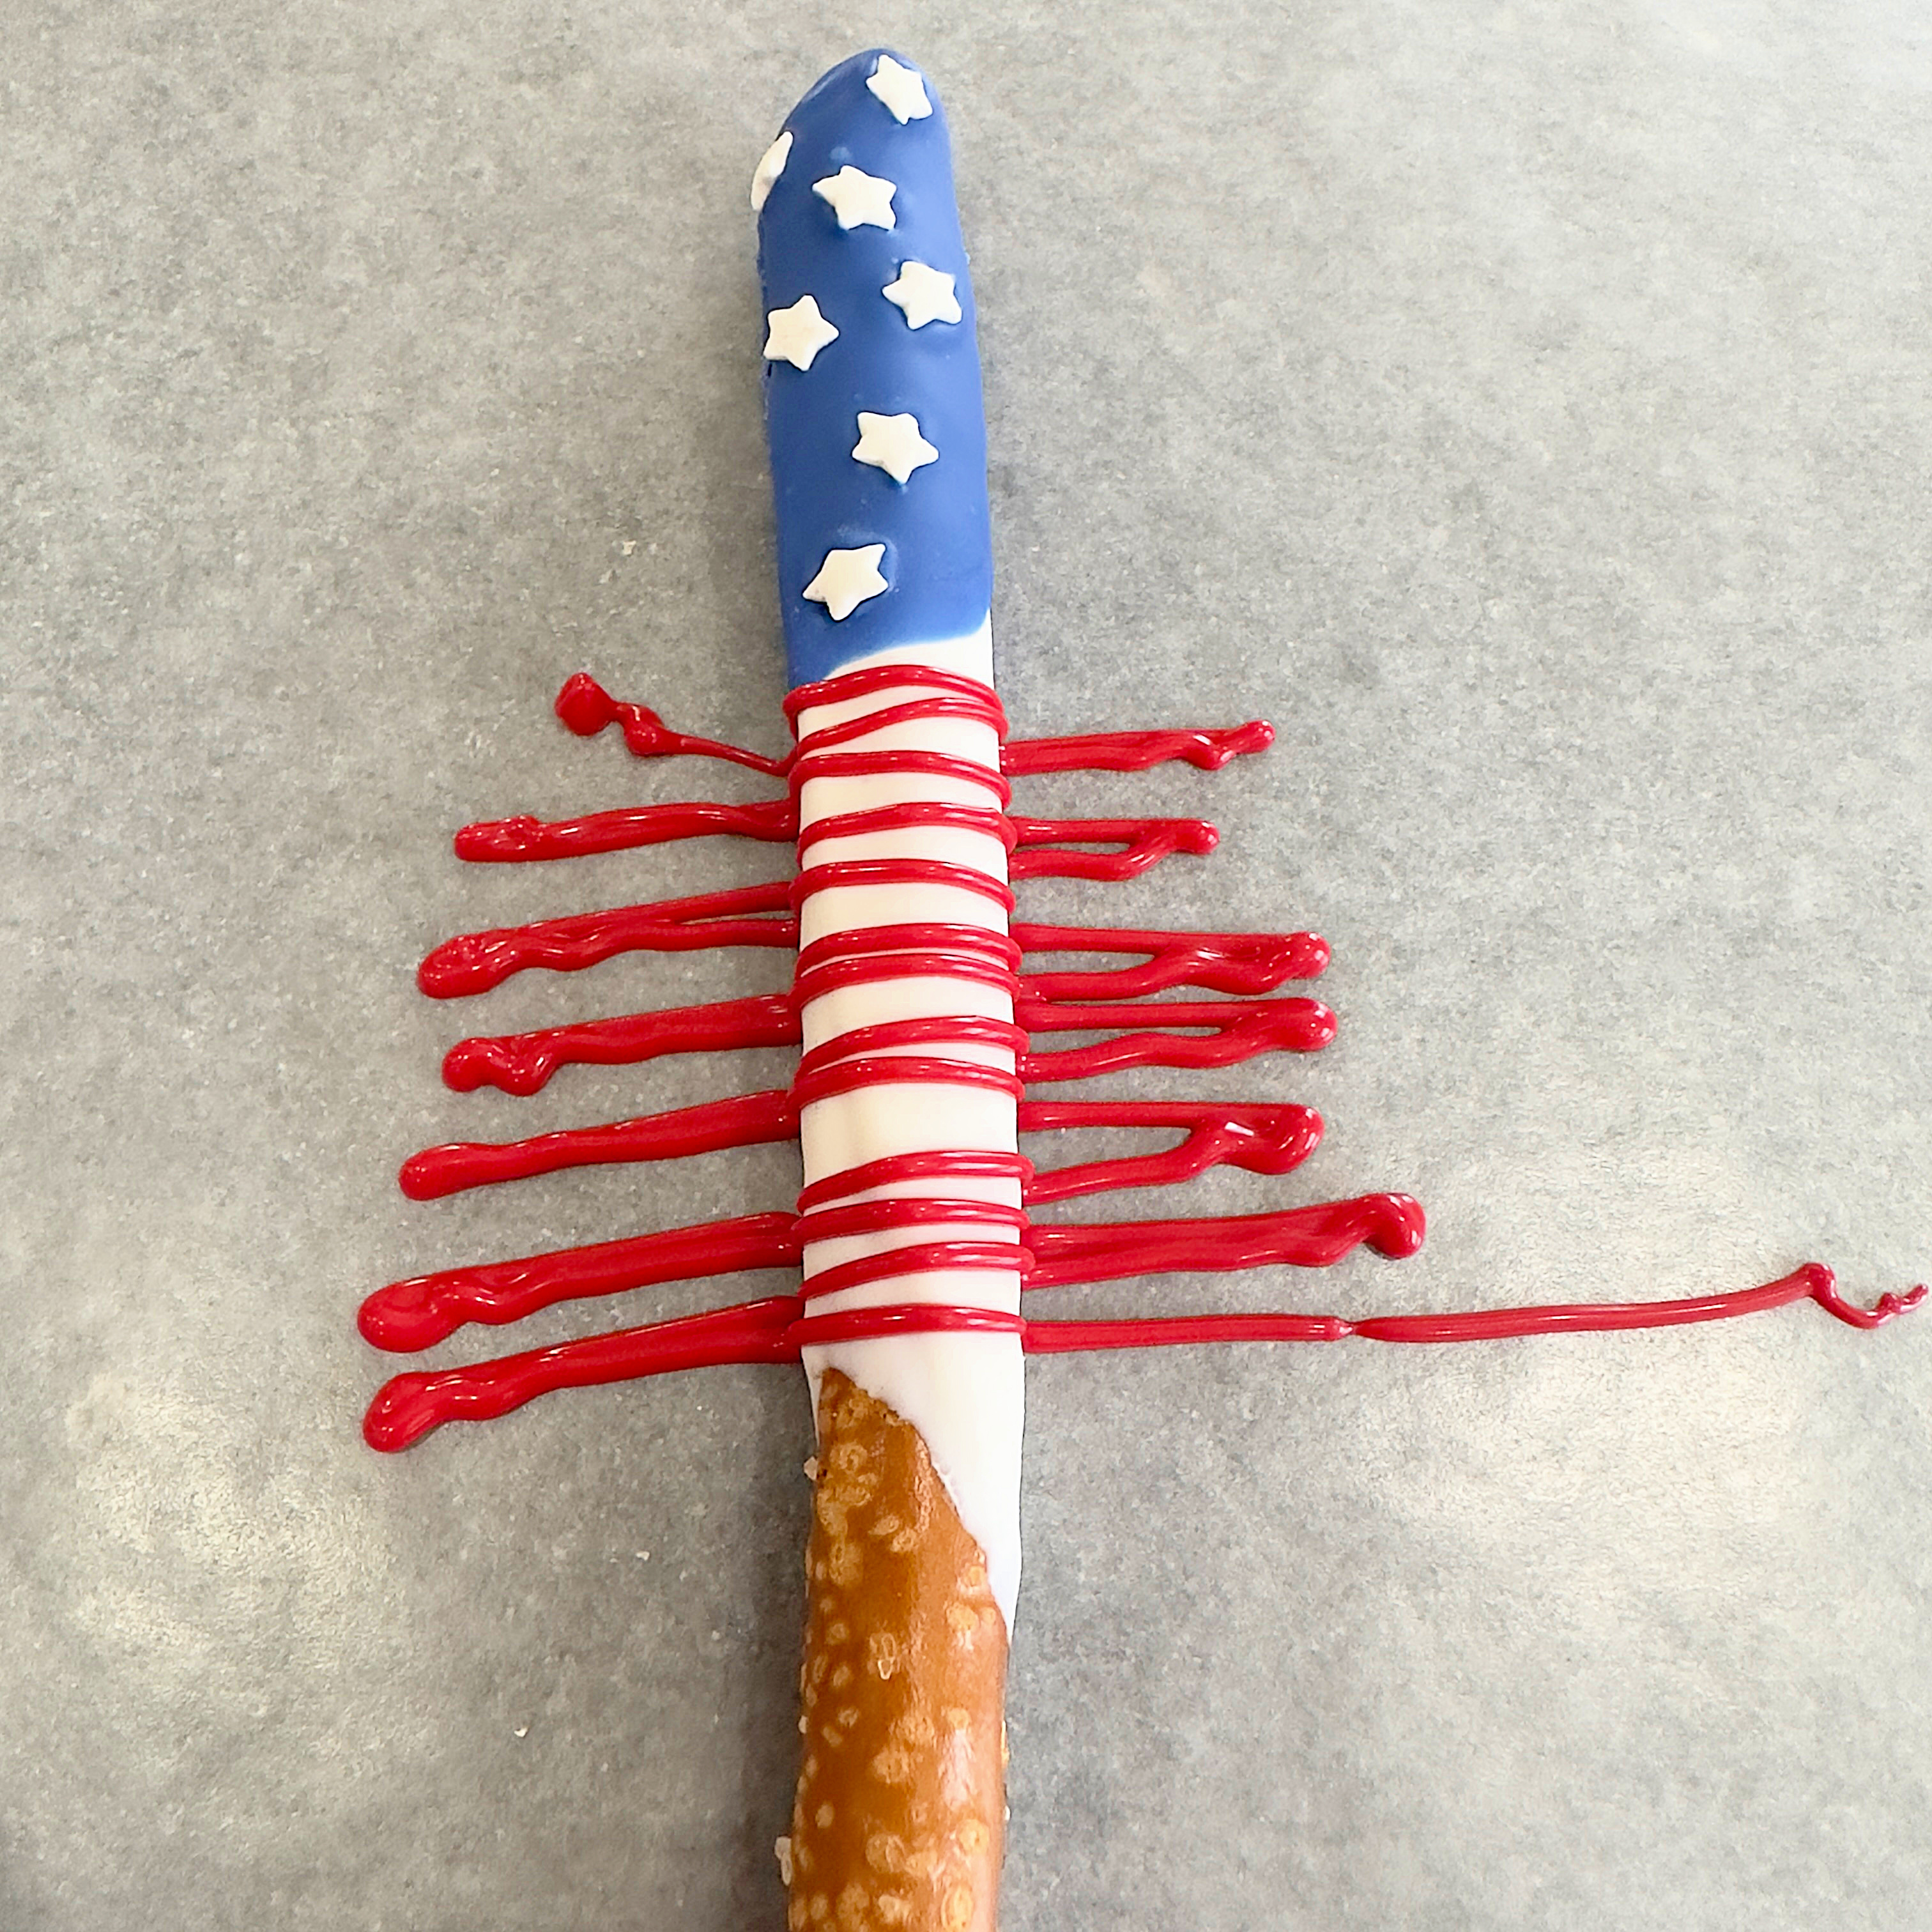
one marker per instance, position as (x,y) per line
(850,872)
(842,1220)
(587,708)
(1317,1236)
(960,1164)
(418,1313)
(745,1120)
(920,1257)
(523,1062)
(1143,842)
(512,841)
(1813,1282)
(1267,1139)
(408,1406)
(1218,962)
(1136,751)
(850,685)
(476,961)
(427,1309)
(1259,1137)
(1235,1031)
(847,1076)
(814,765)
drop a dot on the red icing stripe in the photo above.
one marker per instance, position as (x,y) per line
(846,873)
(918,1257)
(960,1164)
(934,815)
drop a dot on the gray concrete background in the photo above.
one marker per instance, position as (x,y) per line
(1525,407)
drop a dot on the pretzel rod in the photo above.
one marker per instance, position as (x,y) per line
(919,1035)
(910,1079)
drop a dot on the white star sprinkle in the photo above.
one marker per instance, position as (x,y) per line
(925,294)
(858,200)
(764,176)
(901,90)
(892,444)
(797,334)
(846,579)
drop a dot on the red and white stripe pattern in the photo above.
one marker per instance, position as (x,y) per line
(909,1085)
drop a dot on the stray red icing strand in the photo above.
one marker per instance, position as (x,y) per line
(1245,968)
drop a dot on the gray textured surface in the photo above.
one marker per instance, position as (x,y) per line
(1526,408)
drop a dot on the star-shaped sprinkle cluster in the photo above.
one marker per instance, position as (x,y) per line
(890,442)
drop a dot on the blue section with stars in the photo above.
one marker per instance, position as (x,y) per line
(868,145)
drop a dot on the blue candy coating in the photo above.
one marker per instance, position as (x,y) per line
(938,562)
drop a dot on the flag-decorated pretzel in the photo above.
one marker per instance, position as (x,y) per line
(924,1014)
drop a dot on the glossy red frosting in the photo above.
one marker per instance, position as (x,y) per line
(1244,970)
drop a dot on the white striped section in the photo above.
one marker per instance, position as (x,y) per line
(964,1393)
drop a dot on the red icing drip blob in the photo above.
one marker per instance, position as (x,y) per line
(1272,1137)
(586,707)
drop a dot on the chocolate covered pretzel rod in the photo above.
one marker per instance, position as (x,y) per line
(917,1028)
(911,1218)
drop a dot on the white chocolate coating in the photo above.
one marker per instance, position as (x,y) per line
(964,1393)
